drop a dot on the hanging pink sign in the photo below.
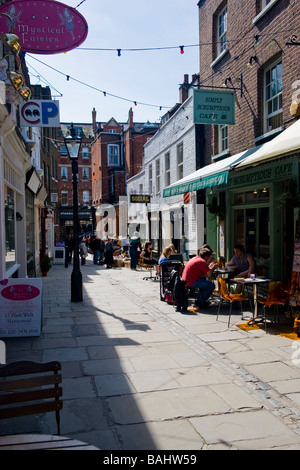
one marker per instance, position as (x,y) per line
(44,26)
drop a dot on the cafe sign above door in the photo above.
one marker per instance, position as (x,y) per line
(44,26)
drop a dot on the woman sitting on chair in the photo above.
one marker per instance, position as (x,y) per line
(146,256)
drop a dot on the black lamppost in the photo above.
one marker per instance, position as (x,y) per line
(73,143)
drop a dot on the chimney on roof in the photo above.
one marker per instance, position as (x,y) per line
(94,120)
(130,119)
(184,89)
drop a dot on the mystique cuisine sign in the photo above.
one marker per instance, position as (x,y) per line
(44,26)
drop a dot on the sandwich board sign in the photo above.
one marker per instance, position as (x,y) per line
(20,307)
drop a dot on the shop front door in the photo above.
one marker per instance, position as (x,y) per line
(252,229)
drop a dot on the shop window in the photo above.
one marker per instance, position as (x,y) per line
(9,210)
(30,248)
(239,198)
(257,195)
(252,229)
(273,97)
(251,196)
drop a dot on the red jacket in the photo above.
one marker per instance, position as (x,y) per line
(196,268)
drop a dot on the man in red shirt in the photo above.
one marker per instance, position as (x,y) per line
(195,273)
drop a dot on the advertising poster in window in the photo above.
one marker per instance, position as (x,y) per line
(20,307)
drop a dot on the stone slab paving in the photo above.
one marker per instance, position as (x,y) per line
(138,375)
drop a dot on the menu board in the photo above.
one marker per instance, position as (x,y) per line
(20,307)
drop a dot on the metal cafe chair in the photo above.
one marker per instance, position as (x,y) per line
(225,297)
(278,294)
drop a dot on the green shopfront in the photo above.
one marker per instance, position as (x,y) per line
(258,207)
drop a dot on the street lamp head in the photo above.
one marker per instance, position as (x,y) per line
(73,143)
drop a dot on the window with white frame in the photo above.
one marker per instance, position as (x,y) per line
(273,96)
(113,155)
(157,174)
(167,169)
(63,151)
(64,173)
(64,198)
(150,179)
(85,174)
(222,31)
(180,161)
(85,152)
(264,3)
(223,138)
(85,197)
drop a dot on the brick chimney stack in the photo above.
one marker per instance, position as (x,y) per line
(94,113)
(130,119)
(184,89)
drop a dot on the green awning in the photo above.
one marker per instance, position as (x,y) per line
(214,174)
(201,183)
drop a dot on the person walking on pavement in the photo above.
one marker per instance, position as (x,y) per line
(83,250)
(95,247)
(101,251)
(134,248)
(109,254)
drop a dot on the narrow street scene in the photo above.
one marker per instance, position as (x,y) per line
(137,375)
(149,228)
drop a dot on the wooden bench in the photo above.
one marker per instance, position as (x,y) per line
(28,388)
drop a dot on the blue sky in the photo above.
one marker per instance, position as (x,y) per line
(150,77)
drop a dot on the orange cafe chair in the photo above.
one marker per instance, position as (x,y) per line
(278,294)
(225,297)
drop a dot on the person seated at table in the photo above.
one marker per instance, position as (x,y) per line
(195,273)
(146,256)
(243,264)
(174,251)
(164,257)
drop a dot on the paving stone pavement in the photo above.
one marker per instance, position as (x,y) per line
(139,375)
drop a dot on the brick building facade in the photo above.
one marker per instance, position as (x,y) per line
(65,186)
(244,48)
(117,154)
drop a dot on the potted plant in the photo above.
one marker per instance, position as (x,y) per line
(45,265)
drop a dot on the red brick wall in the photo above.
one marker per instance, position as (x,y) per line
(274,28)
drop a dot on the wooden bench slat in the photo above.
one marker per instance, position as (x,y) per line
(30,382)
(28,367)
(33,395)
(30,409)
